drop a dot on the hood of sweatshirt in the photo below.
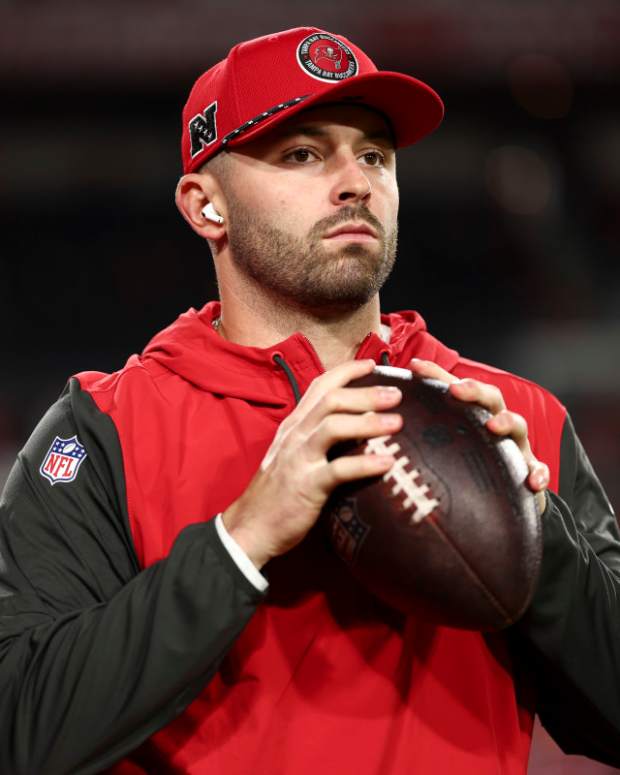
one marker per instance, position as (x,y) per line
(193,350)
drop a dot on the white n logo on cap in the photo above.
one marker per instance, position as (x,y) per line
(203,129)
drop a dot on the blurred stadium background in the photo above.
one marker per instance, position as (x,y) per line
(510,221)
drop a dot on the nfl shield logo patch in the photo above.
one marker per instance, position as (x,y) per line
(348,530)
(63,460)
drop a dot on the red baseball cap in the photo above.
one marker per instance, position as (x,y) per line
(264,81)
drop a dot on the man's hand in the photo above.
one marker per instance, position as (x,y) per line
(286,495)
(503,422)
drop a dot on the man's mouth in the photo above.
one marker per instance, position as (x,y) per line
(358,232)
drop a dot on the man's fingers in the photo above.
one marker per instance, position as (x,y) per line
(343,427)
(354,400)
(488,396)
(431,370)
(507,423)
(335,378)
(471,390)
(538,482)
(350,468)
(331,380)
(538,478)
(503,422)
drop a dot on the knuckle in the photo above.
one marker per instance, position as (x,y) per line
(519,422)
(494,394)
(329,426)
(332,401)
(540,467)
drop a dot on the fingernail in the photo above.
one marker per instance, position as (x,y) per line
(540,480)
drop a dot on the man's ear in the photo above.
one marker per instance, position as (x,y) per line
(196,191)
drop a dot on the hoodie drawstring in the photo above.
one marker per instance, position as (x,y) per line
(291,377)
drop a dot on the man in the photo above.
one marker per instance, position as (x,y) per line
(143,633)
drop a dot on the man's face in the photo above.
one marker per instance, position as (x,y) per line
(312,208)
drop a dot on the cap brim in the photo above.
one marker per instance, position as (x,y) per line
(412,107)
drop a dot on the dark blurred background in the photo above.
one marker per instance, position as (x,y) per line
(510,220)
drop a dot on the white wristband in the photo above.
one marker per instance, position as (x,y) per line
(243,562)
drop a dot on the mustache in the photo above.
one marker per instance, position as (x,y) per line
(346,214)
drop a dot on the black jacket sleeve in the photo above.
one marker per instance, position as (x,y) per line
(96,655)
(570,635)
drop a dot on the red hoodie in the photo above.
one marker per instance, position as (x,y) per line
(324,678)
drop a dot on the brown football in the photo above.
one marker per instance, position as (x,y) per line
(451,533)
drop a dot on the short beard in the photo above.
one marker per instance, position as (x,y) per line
(301,272)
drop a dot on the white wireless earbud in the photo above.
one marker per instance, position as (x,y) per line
(211,214)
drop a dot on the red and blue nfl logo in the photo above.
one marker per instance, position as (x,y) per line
(63,460)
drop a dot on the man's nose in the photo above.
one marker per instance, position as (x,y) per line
(351,182)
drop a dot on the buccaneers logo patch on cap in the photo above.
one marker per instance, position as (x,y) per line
(325,57)
(63,459)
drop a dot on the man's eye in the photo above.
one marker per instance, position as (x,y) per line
(374,158)
(301,155)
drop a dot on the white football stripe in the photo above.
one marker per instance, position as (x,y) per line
(404,481)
